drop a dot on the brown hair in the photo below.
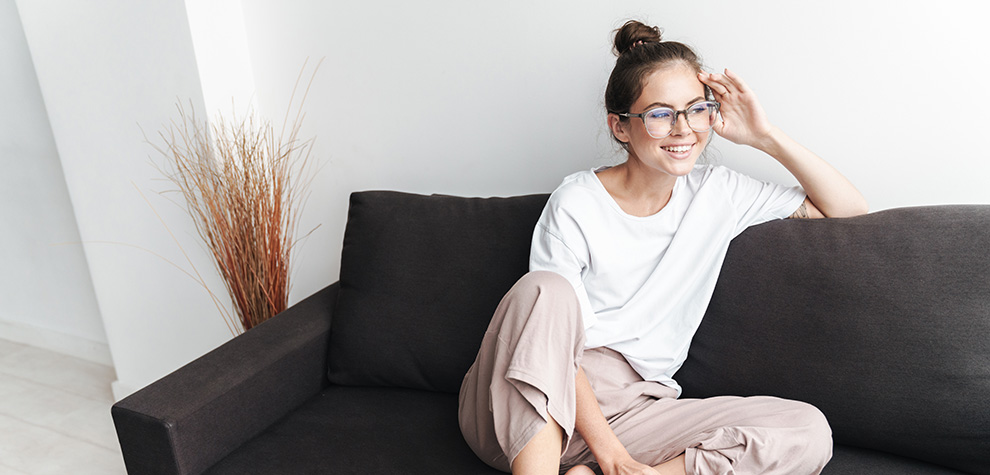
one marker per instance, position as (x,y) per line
(641,51)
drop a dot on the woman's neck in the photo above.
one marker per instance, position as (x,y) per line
(638,190)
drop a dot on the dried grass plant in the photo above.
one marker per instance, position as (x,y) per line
(244,188)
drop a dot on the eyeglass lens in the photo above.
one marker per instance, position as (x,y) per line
(700,118)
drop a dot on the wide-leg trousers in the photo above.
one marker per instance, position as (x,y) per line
(526,370)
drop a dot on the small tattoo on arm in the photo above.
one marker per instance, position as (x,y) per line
(802,212)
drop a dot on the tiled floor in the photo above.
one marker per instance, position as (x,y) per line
(55,414)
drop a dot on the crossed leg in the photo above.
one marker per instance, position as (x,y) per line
(520,394)
(725,434)
(541,456)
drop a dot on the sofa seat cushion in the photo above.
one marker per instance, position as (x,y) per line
(420,277)
(347,430)
(848,460)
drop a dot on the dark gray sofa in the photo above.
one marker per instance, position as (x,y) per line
(882,321)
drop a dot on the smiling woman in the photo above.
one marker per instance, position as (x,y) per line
(659,150)
(623,264)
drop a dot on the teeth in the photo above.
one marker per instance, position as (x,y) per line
(678,149)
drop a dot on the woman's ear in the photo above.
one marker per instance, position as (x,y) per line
(618,127)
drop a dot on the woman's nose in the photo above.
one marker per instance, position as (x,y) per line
(681,126)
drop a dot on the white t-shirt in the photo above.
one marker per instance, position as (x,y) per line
(644,283)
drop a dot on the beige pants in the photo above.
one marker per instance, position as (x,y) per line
(526,368)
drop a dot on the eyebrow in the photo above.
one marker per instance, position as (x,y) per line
(664,104)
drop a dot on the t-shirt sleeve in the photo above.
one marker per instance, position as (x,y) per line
(549,253)
(757,202)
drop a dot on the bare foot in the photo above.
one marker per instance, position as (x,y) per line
(580,470)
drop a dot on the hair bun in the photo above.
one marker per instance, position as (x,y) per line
(633,33)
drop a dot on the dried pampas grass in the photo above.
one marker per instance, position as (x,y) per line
(244,189)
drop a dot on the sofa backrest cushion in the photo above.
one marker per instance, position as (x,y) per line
(420,277)
(881,321)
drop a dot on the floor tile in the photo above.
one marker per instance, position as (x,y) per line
(8,347)
(58,371)
(5,470)
(60,411)
(40,451)
(55,414)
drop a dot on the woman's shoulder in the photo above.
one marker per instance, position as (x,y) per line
(579,180)
(578,198)
(576,188)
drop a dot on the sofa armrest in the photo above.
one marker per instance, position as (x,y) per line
(192,418)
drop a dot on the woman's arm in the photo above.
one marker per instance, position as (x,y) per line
(829,193)
(744,122)
(611,455)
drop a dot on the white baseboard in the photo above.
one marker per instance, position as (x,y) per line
(78,347)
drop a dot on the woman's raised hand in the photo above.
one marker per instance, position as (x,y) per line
(743,119)
(744,122)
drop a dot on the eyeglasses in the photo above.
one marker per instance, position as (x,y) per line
(660,121)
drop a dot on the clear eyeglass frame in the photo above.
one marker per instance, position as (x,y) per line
(652,116)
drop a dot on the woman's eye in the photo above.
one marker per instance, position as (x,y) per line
(698,109)
(660,114)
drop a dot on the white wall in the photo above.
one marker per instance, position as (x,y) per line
(106,70)
(498,98)
(222,57)
(473,98)
(46,293)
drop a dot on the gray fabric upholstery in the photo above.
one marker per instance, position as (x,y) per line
(190,419)
(848,460)
(420,277)
(881,321)
(362,431)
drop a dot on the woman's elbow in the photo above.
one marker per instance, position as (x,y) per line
(856,207)
(859,206)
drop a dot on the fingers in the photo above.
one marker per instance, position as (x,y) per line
(724,84)
(719,125)
(716,82)
(740,85)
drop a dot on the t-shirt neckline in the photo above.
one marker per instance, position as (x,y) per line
(618,209)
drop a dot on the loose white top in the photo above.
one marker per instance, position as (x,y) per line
(644,282)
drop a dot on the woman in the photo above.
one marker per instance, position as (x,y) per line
(576,369)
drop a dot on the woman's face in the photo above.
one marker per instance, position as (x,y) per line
(675,87)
